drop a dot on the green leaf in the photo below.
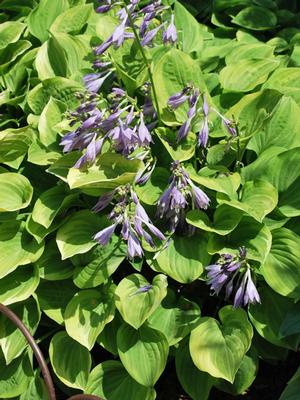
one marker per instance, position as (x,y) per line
(87,314)
(143,353)
(49,204)
(219,348)
(171,73)
(281,129)
(53,300)
(150,192)
(109,172)
(76,235)
(17,247)
(10,32)
(178,151)
(59,88)
(104,262)
(245,75)
(226,219)
(134,306)
(108,337)
(14,145)
(255,18)
(50,265)
(195,382)
(284,261)
(258,199)
(36,389)
(254,236)
(249,51)
(244,377)
(43,15)
(291,392)
(51,115)
(184,258)
(12,340)
(282,170)
(10,54)
(70,361)
(19,285)
(268,317)
(188,28)
(72,20)
(111,381)
(16,192)
(222,183)
(175,317)
(291,323)
(15,377)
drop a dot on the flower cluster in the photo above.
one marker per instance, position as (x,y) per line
(233,273)
(192,95)
(130,14)
(176,198)
(120,122)
(127,212)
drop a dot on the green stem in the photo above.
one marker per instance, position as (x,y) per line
(238,155)
(147,64)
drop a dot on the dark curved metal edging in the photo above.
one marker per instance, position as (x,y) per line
(40,358)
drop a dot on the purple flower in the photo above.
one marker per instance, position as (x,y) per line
(229,125)
(134,248)
(205,108)
(201,200)
(179,98)
(118,92)
(186,127)
(174,199)
(184,130)
(144,136)
(144,175)
(104,7)
(136,224)
(246,292)
(103,47)
(103,201)
(150,36)
(104,236)
(203,134)
(91,153)
(170,35)
(229,273)
(143,289)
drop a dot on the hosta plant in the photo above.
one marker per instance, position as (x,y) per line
(149,208)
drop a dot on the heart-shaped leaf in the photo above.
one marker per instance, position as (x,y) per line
(16,192)
(143,353)
(175,317)
(136,300)
(87,314)
(111,381)
(184,258)
(219,348)
(70,361)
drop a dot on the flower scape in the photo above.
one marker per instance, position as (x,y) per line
(150,200)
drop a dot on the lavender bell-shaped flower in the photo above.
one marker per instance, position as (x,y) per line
(144,136)
(179,98)
(94,81)
(174,199)
(170,35)
(229,273)
(149,36)
(204,132)
(186,127)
